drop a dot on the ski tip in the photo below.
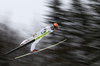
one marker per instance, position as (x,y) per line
(15,58)
(7,53)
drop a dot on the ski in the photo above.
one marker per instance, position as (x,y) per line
(42,35)
(13,50)
(40,49)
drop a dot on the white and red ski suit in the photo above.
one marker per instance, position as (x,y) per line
(36,35)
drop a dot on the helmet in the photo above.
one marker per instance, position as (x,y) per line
(55,24)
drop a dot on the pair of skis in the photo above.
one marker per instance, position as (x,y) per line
(40,36)
(40,49)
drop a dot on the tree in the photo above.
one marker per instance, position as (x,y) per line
(75,24)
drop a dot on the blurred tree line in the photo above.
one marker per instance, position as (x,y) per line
(9,38)
(81,27)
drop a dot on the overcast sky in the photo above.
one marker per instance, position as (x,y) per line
(22,13)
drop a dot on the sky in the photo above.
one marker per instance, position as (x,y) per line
(25,16)
(22,9)
(22,13)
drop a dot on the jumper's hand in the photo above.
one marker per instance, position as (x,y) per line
(33,35)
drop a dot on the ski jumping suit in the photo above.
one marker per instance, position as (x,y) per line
(36,35)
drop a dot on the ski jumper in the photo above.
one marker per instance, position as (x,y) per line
(35,36)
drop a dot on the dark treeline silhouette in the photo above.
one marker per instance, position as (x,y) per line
(80,25)
(9,39)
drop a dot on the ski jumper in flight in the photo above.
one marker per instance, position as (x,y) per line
(49,29)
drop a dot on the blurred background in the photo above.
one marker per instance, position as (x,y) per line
(78,23)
